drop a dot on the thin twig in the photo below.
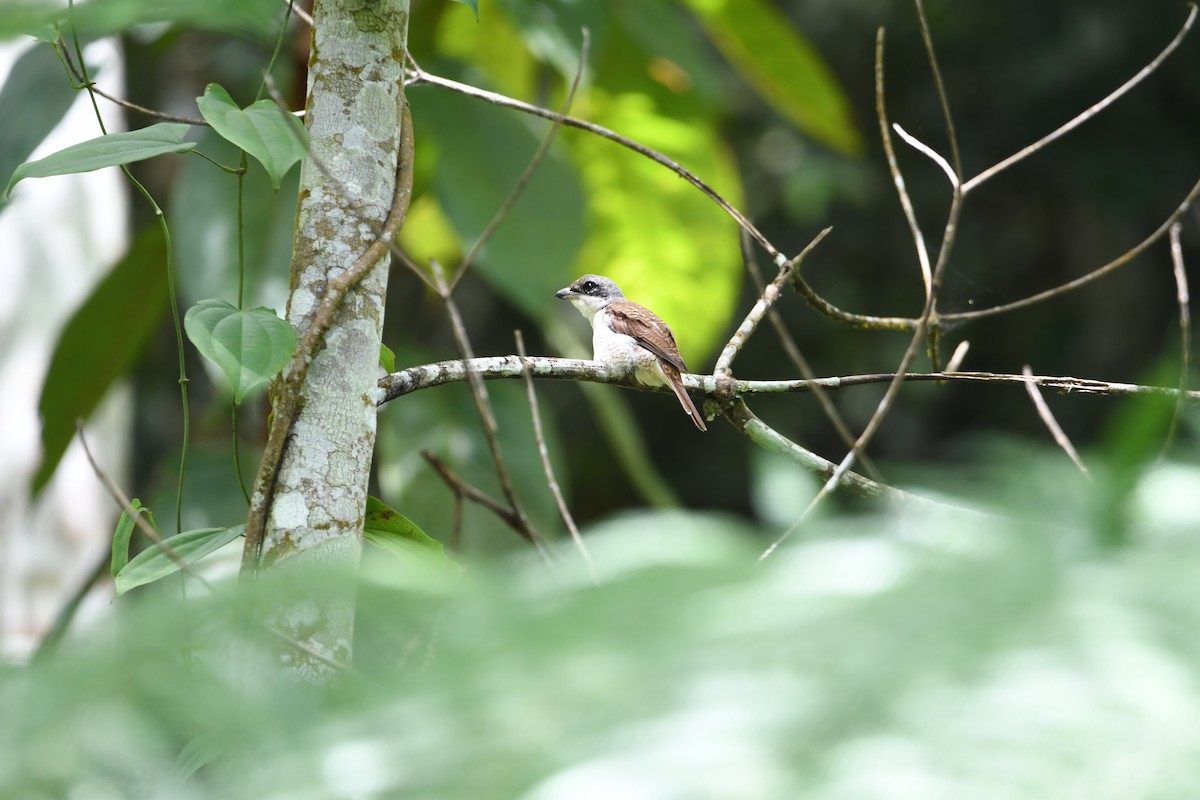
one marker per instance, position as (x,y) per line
(1043,410)
(421,76)
(126,505)
(463,489)
(766,300)
(1185,332)
(943,99)
(486,415)
(894,168)
(927,151)
(82,81)
(1083,280)
(544,452)
(958,356)
(1089,113)
(792,351)
(543,148)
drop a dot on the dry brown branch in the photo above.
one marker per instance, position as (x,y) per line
(940,86)
(486,415)
(547,468)
(1043,410)
(461,488)
(889,150)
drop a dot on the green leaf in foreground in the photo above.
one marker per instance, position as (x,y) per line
(123,533)
(189,547)
(107,151)
(262,130)
(100,343)
(389,530)
(250,347)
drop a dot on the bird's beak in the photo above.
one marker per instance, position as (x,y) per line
(562,294)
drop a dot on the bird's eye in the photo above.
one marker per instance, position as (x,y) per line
(589,286)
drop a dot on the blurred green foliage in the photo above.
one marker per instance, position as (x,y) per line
(947,653)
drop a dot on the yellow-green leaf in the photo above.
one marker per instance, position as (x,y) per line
(783,66)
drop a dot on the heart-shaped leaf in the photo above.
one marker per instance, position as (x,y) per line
(261,129)
(250,347)
(107,151)
(189,547)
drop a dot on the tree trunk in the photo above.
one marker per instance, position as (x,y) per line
(355,109)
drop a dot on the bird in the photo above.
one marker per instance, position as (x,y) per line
(628,338)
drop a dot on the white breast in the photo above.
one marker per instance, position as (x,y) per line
(622,354)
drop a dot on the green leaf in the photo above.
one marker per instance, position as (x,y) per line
(783,66)
(104,17)
(262,130)
(471,4)
(37,102)
(100,343)
(122,535)
(154,564)
(387,359)
(386,527)
(107,151)
(482,151)
(250,347)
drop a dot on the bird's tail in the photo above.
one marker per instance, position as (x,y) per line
(685,400)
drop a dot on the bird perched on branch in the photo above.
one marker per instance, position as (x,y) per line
(629,338)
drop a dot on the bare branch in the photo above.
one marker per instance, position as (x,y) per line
(943,101)
(1185,331)
(958,356)
(1043,410)
(427,376)
(552,482)
(766,299)
(1099,272)
(422,76)
(1145,72)
(927,151)
(792,351)
(894,168)
(463,489)
(486,415)
(517,190)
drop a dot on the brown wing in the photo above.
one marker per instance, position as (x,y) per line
(648,329)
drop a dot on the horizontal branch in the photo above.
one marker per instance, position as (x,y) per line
(427,376)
